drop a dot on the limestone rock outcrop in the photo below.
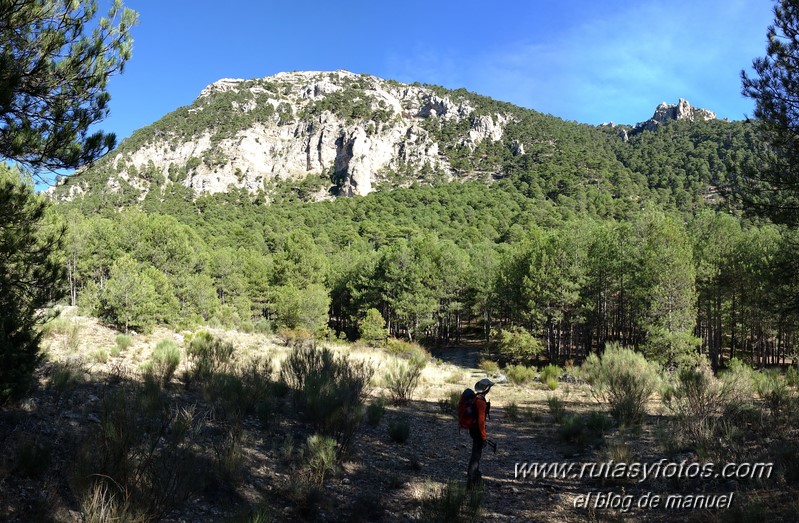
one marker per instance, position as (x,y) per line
(355,130)
(682,111)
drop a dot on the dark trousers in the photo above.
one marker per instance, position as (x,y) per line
(473,473)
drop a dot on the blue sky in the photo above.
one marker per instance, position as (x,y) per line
(588,61)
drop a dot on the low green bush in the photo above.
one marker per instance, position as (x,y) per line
(375,412)
(490,367)
(517,345)
(453,503)
(403,377)
(329,390)
(449,404)
(556,408)
(623,378)
(123,341)
(519,374)
(549,376)
(320,457)
(165,361)
(399,429)
(207,355)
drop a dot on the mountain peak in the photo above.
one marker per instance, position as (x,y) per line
(680,111)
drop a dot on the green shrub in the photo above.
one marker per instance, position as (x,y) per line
(402,378)
(549,376)
(623,378)
(406,349)
(519,374)
(792,376)
(375,412)
(72,336)
(449,405)
(229,458)
(772,388)
(490,367)
(512,411)
(264,326)
(207,355)
(295,337)
(320,457)
(165,360)
(399,429)
(65,376)
(556,408)
(453,503)
(329,390)
(703,405)
(517,345)
(124,342)
(140,454)
(100,356)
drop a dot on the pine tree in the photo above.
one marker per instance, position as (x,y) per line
(53,76)
(773,188)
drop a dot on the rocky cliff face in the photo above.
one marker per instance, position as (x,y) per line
(350,131)
(682,111)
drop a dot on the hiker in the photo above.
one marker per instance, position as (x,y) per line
(477,429)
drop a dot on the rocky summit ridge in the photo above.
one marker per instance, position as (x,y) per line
(348,133)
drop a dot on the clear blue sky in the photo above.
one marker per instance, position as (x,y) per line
(586,60)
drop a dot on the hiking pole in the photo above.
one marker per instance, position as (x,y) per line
(492,444)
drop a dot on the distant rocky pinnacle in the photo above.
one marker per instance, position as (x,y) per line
(682,111)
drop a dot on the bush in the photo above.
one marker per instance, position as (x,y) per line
(399,429)
(623,378)
(100,356)
(320,457)
(264,326)
(512,411)
(549,376)
(164,362)
(792,376)
(490,367)
(453,503)
(207,355)
(402,379)
(375,412)
(519,374)
(124,342)
(65,376)
(773,390)
(556,408)
(330,391)
(700,401)
(406,349)
(517,345)
(294,337)
(72,336)
(140,454)
(449,405)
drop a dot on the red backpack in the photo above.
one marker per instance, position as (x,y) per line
(467,409)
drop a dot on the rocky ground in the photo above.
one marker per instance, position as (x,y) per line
(379,480)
